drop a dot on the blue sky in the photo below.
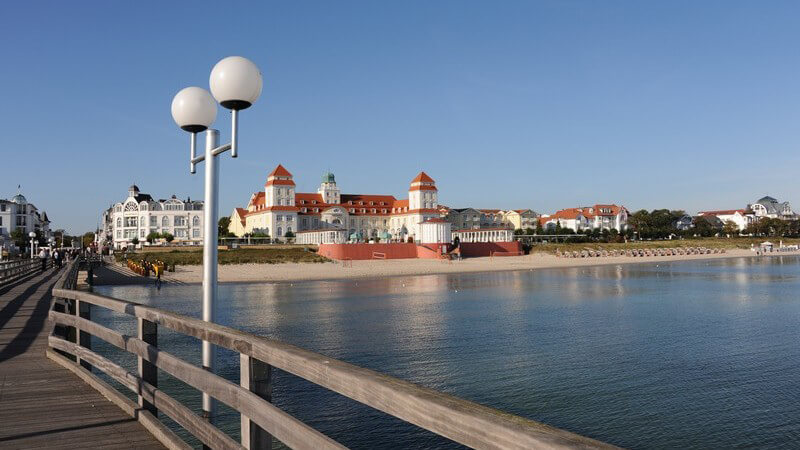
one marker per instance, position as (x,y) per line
(544,105)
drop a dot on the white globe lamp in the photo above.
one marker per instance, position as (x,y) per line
(193,109)
(235,82)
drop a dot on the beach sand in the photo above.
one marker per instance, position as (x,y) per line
(399,267)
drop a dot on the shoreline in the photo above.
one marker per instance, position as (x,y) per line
(334,271)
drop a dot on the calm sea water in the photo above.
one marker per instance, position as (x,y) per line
(676,355)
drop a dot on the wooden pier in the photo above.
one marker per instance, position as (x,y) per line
(51,395)
(42,404)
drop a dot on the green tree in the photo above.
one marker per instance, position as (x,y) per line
(135,241)
(152,236)
(730,228)
(168,237)
(289,234)
(19,237)
(222,227)
(539,228)
(87,239)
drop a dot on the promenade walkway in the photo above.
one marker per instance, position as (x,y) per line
(41,403)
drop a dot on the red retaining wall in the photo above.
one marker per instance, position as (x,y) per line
(364,251)
(475,249)
(411,250)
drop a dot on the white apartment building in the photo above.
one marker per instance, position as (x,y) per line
(17,213)
(602,217)
(738,216)
(139,215)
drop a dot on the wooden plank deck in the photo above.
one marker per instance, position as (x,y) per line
(43,405)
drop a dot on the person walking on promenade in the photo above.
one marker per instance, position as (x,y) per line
(56,260)
(43,259)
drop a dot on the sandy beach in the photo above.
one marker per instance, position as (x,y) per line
(400,267)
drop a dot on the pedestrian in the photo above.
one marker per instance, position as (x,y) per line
(43,259)
(56,261)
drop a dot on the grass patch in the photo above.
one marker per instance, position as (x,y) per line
(727,243)
(239,256)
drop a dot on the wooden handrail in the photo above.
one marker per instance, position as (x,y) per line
(462,421)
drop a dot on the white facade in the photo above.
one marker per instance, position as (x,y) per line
(436,231)
(772,208)
(139,215)
(17,213)
(739,216)
(322,237)
(486,235)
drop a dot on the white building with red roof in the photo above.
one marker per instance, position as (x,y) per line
(741,217)
(279,209)
(603,217)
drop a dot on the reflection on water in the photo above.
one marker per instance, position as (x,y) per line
(682,355)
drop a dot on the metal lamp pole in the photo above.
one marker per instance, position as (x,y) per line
(236,84)
(32,235)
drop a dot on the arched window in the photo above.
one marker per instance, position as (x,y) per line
(195,221)
(119,222)
(165,221)
(279,232)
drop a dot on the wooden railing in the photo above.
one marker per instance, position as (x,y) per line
(462,421)
(14,270)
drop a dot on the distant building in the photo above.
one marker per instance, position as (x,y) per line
(139,215)
(685,222)
(741,217)
(602,217)
(770,207)
(473,219)
(17,213)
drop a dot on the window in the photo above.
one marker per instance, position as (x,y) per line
(165,221)
(119,234)
(141,233)
(130,221)
(280,218)
(279,232)
(195,221)
(153,221)
(2,207)
(180,233)
(196,233)
(179,221)
(119,222)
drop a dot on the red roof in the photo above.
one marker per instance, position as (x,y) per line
(279,182)
(723,212)
(423,178)
(279,171)
(258,198)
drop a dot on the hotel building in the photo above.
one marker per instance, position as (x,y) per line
(139,215)
(328,216)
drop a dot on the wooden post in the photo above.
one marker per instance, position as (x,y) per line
(148,332)
(255,376)
(83,309)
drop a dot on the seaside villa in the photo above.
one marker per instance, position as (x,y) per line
(602,217)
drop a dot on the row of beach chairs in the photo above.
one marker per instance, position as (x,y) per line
(640,252)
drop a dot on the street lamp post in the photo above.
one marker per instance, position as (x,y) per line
(236,84)
(32,235)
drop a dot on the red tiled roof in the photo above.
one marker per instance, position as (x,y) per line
(258,198)
(279,171)
(423,178)
(423,187)
(723,212)
(279,182)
